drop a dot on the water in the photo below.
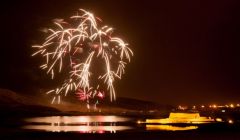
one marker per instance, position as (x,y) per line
(94,124)
(83,124)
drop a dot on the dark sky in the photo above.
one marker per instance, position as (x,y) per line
(186,52)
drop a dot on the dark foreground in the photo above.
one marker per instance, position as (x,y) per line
(206,132)
(127,136)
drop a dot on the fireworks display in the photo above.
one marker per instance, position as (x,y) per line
(92,58)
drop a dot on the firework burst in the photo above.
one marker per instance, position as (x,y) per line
(76,46)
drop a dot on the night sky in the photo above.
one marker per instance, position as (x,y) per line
(186,52)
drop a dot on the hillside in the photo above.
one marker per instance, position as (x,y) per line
(12,103)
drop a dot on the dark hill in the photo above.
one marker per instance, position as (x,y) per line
(13,104)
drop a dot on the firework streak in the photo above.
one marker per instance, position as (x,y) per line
(73,47)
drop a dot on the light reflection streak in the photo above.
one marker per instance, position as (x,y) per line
(82,124)
(81,129)
(169,127)
(77,119)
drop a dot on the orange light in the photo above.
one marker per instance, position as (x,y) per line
(170,127)
(194,118)
(218,119)
(232,105)
(214,106)
(230,121)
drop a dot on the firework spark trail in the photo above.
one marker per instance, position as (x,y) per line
(73,41)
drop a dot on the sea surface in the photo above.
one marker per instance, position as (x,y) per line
(111,127)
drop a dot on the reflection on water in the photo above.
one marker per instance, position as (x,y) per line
(77,119)
(83,124)
(81,128)
(169,127)
(95,124)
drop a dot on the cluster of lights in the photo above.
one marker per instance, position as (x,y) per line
(227,106)
(214,106)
